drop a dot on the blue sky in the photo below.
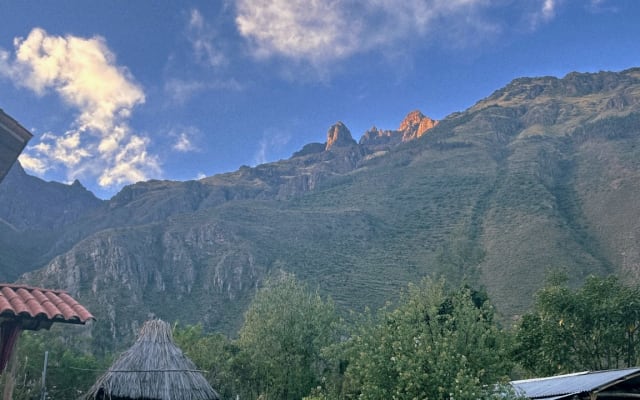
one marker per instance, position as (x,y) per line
(121,91)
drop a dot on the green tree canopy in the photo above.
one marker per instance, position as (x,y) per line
(70,371)
(435,345)
(285,329)
(214,354)
(594,327)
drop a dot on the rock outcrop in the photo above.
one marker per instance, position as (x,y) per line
(339,136)
(380,137)
(415,125)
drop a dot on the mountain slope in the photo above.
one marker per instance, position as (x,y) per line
(34,215)
(543,173)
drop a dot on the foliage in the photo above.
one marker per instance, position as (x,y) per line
(285,329)
(435,344)
(213,353)
(594,327)
(70,371)
(278,352)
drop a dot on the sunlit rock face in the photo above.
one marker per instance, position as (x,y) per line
(415,125)
(339,136)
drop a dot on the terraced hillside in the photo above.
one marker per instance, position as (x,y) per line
(543,173)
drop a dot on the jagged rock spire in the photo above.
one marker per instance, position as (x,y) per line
(412,120)
(415,124)
(339,136)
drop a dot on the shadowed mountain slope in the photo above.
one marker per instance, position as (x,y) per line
(542,173)
(34,217)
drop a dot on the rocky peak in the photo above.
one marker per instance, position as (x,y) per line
(371,134)
(411,121)
(339,136)
(375,136)
(426,124)
(415,124)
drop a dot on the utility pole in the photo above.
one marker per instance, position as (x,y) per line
(44,376)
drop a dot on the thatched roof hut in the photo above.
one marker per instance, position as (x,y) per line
(154,368)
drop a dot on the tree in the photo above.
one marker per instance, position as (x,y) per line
(70,371)
(434,345)
(593,327)
(213,353)
(285,329)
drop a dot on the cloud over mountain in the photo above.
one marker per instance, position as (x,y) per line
(84,74)
(298,29)
(321,32)
(272,139)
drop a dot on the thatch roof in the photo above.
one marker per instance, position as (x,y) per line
(153,368)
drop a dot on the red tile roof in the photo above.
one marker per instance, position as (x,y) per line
(42,304)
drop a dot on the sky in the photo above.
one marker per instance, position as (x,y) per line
(117,92)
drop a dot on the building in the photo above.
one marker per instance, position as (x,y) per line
(153,368)
(588,385)
(13,139)
(24,307)
(30,308)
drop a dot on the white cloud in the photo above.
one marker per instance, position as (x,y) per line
(545,12)
(312,30)
(33,164)
(63,149)
(129,158)
(272,140)
(598,6)
(183,144)
(84,73)
(548,9)
(180,91)
(204,57)
(185,139)
(321,31)
(202,37)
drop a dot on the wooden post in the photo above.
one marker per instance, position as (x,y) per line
(10,376)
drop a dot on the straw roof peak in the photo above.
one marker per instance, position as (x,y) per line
(156,330)
(153,368)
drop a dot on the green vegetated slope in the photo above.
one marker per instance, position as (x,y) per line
(556,196)
(541,174)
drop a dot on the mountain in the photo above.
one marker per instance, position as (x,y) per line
(34,216)
(541,174)
(413,126)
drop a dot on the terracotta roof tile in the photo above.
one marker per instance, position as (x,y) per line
(37,303)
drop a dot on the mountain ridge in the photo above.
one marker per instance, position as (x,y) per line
(540,174)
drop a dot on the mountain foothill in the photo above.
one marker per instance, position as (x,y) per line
(544,173)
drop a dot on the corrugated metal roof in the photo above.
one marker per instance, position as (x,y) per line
(41,304)
(565,385)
